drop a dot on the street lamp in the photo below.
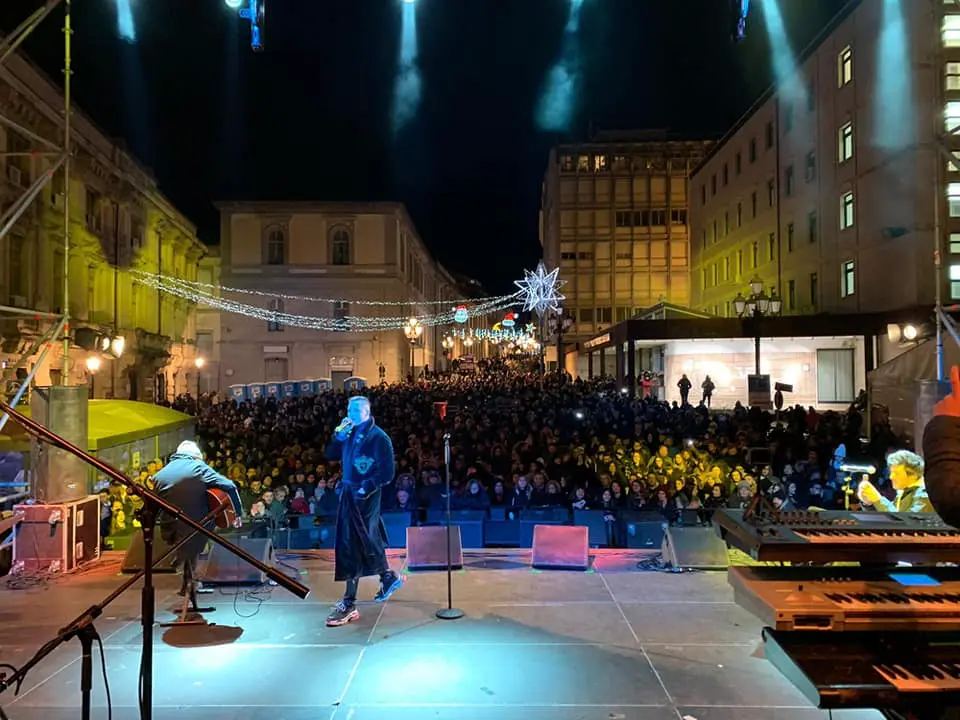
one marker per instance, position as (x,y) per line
(93,364)
(198,361)
(413,330)
(756,306)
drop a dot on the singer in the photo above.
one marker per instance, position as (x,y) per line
(366,456)
(906,476)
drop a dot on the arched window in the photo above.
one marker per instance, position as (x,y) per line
(276,247)
(340,247)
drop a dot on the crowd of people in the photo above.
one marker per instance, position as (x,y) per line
(522,440)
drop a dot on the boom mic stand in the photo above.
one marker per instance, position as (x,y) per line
(449,612)
(83,629)
(153,504)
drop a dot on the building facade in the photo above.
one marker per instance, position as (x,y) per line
(614,219)
(208,325)
(342,256)
(120,223)
(834,190)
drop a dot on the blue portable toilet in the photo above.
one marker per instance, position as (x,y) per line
(353,384)
(273,390)
(237,393)
(307,388)
(324,385)
(290,390)
(257,391)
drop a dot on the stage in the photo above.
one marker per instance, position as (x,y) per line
(613,643)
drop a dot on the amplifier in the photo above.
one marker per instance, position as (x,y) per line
(57,538)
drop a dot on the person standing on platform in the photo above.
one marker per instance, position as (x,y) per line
(941,450)
(183,482)
(366,456)
(906,476)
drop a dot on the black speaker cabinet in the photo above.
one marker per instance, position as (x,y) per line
(694,548)
(427,548)
(560,547)
(133,560)
(222,567)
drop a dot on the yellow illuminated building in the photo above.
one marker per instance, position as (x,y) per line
(614,219)
(120,223)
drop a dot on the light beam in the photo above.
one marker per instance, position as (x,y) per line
(406,87)
(892,95)
(557,104)
(125,25)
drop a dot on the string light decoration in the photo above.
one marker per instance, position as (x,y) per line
(187,290)
(541,290)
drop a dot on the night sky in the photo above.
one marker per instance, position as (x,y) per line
(309,119)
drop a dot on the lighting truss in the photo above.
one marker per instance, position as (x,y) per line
(60,160)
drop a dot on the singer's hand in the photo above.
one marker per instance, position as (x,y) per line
(238,522)
(950,405)
(867,493)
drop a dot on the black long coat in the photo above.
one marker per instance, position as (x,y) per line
(367,460)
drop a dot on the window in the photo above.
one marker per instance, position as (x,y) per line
(848,282)
(845,145)
(846,211)
(770,134)
(275,306)
(726,268)
(340,247)
(812,227)
(17,268)
(703,279)
(583,163)
(845,66)
(739,214)
(275,370)
(276,247)
(954,244)
(703,239)
(791,295)
(566,163)
(952,76)
(739,264)
(341,310)
(787,118)
(599,163)
(716,231)
(955,282)
(811,99)
(951,116)
(726,223)
(726,175)
(205,346)
(771,193)
(953,199)
(623,219)
(678,216)
(737,163)
(753,204)
(950,30)
(810,167)
(713,185)
(716,274)
(753,150)
(703,194)
(586,315)
(814,291)
(93,217)
(755,250)
(604,315)
(789,237)
(788,180)
(771,247)
(835,376)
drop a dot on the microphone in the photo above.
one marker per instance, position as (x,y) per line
(858,469)
(344,427)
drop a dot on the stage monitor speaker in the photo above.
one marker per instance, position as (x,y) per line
(133,560)
(694,548)
(222,567)
(427,548)
(561,547)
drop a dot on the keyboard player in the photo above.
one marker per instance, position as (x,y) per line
(906,476)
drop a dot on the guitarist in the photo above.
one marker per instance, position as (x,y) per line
(184,482)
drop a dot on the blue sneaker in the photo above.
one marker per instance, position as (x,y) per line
(386,590)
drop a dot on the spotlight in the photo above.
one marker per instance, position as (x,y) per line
(409,2)
(233,4)
(910,332)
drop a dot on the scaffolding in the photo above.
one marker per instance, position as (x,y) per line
(59,324)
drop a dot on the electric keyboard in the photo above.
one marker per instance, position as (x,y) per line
(839,536)
(850,598)
(894,670)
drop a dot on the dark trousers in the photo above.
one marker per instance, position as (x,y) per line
(350,594)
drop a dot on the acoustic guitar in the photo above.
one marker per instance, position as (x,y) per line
(219,502)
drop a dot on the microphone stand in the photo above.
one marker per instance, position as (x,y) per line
(83,629)
(449,612)
(153,504)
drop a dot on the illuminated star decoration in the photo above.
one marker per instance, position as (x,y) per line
(541,290)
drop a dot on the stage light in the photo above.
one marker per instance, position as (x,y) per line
(233,4)
(910,332)
(409,2)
